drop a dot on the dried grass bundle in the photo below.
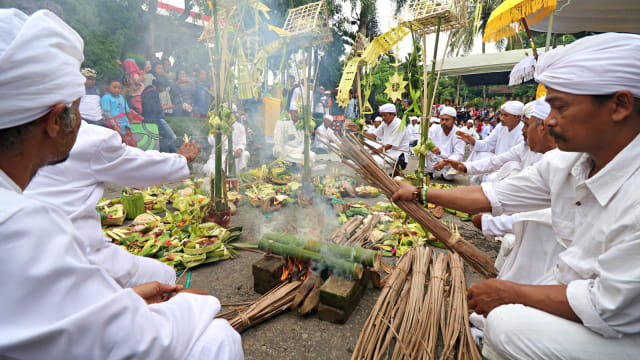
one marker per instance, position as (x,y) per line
(373,335)
(263,308)
(457,334)
(355,156)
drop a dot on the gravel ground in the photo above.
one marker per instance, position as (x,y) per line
(289,336)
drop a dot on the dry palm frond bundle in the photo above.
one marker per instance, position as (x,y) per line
(372,338)
(263,308)
(423,344)
(354,155)
(457,335)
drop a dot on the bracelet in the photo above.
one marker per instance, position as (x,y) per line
(424,195)
(416,195)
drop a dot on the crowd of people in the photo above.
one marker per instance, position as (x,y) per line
(558,185)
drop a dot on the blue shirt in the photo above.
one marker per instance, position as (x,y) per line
(112,106)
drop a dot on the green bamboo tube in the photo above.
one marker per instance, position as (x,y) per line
(344,268)
(363,256)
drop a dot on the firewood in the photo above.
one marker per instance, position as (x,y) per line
(313,299)
(303,290)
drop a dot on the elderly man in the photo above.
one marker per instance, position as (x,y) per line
(395,142)
(448,146)
(324,136)
(55,303)
(506,135)
(240,154)
(590,303)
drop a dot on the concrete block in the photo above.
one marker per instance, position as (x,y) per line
(266,273)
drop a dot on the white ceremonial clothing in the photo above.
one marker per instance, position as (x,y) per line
(239,138)
(471,131)
(289,142)
(500,140)
(598,217)
(485,131)
(90,108)
(451,147)
(516,331)
(55,304)
(324,135)
(414,130)
(518,157)
(498,225)
(392,135)
(76,186)
(530,257)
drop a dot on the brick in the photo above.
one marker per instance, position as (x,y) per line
(266,273)
(341,293)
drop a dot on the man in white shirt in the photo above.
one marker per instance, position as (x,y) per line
(414,130)
(505,136)
(395,142)
(590,302)
(240,154)
(55,303)
(288,142)
(448,145)
(76,186)
(469,129)
(324,136)
(90,108)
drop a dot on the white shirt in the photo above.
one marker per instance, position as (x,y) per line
(55,304)
(470,130)
(90,108)
(520,156)
(450,146)
(239,138)
(485,131)
(598,217)
(414,130)
(391,135)
(288,142)
(500,140)
(323,135)
(295,98)
(76,186)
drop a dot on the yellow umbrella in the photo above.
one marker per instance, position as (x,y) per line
(513,16)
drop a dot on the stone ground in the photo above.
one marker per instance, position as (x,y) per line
(289,336)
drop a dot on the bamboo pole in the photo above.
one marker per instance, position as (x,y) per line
(305,118)
(339,266)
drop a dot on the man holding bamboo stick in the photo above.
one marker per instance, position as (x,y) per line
(590,304)
(55,303)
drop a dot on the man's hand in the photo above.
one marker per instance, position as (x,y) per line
(477,221)
(489,294)
(405,192)
(189,150)
(436,150)
(453,163)
(353,127)
(155,292)
(237,153)
(466,137)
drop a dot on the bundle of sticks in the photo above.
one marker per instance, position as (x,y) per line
(405,322)
(353,154)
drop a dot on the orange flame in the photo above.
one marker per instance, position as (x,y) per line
(294,268)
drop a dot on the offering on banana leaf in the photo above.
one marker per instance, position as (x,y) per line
(155,198)
(111,213)
(367,191)
(257,193)
(281,176)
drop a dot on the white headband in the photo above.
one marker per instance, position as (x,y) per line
(528,108)
(594,65)
(40,57)
(513,107)
(448,110)
(541,109)
(387,108)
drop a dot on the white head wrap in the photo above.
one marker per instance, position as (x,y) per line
(387,108)
(448,110)
(528,108)
(40,59)
(542,108)
(513,107)
(328,117)
(594,65)
(435,120)
(414,118)
(469,121)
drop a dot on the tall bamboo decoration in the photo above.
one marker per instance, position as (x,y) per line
(426,17)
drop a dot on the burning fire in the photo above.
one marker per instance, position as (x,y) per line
(294,270)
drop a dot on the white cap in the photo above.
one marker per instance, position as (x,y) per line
(387,108)
(328,117)
(448,110)
(542,109)
(40,57)
(528,108)
(378,118)
(513,107)
(594,65)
